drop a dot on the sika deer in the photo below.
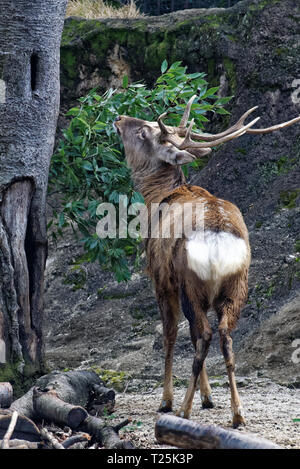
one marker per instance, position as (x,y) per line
(207,268)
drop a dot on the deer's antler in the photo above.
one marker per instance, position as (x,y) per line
(191,139)
(168,135)
(274,127)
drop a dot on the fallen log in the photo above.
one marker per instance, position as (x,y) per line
(60,398)
(106,435)
(101,398)
(72,387)
(6,394)
(184,433)
(48,406)
(24,429)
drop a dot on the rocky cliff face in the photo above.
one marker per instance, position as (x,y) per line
(253,51)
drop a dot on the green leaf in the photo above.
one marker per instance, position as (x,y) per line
(164,66)
(87,165)
(74,111)
(61,220)
(209,92)
(222,111)
(221,101)
(125,81)
(137,198)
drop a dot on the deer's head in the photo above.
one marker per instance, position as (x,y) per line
(146,146)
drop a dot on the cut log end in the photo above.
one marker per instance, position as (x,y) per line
(50,407)
(6,395)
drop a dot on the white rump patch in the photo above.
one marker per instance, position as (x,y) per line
(213,256)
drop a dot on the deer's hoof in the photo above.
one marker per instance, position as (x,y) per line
(237,421)
(165,406)
(183,414)
(207,402)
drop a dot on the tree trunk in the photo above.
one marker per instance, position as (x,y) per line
(30,33)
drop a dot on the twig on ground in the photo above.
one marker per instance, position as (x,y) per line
(81,437)
(50,438)
(118,427)
(22,444)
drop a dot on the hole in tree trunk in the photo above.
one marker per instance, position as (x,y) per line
(34,61)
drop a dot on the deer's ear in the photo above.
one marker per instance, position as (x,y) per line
(172,155)
(183,157)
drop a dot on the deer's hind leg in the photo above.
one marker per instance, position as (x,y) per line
(205,389)
(169,307)
(201,335)
(228,306)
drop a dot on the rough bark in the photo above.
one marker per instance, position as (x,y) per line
(75,439)
(30,34)
(101,398)
(186,434)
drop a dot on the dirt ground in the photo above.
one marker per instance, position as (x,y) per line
(269,411)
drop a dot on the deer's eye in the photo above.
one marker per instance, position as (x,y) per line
(143,134)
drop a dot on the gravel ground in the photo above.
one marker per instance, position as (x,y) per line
(270,411)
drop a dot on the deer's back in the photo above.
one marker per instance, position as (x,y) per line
(214,247)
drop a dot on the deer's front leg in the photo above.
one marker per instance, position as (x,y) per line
(169,308)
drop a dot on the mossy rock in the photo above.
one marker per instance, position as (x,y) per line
(87,47)
(113,379)
(288,199)
(21,381)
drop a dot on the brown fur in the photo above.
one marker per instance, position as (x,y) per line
(158,176)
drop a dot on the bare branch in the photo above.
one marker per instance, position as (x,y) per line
(10,430)
(52,440)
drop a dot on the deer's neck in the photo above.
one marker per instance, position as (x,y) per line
(156,184)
